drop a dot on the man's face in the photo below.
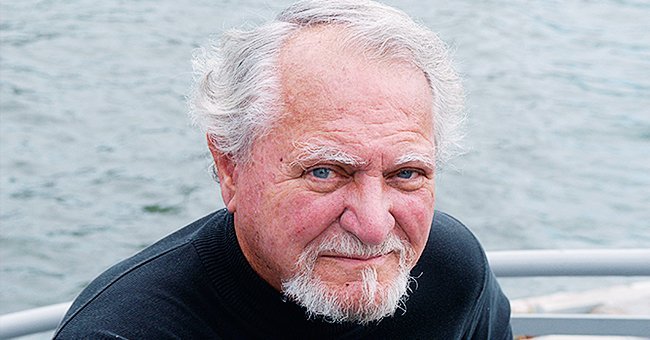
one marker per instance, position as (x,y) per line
(345,179)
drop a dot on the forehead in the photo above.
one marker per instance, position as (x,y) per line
(322,79)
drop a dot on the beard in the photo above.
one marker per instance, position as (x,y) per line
(375,300)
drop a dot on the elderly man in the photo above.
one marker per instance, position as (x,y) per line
(326,127)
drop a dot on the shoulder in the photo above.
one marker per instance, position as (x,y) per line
(456,281)
(146,284)
(453,249)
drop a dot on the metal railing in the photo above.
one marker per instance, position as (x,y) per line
(592,262)
(521,263)
(32,321)
(583,262)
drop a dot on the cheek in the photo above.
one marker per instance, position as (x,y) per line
(307,215)
(414,214)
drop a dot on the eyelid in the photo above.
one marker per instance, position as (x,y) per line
(415,170)
(335,179)
(338,169)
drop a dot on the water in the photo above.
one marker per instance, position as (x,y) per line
(97,159)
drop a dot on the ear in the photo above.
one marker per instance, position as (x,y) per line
(227,173)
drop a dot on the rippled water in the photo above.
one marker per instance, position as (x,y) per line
(97,159)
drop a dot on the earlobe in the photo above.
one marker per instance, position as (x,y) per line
(226,169)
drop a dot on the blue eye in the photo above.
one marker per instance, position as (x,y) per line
(322,173)
(405,174)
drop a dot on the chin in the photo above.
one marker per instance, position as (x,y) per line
(377,290)
(364,301)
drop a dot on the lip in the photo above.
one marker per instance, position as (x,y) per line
(356,260)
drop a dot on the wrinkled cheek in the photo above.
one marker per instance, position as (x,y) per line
(308,216)
(415,215)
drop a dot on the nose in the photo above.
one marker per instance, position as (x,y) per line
(367,213)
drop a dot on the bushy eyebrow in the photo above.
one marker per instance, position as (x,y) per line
(310,152)
(416,157)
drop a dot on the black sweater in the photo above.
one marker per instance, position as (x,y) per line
(196,284)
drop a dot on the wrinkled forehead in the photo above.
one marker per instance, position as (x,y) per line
(322,46)
(320,66)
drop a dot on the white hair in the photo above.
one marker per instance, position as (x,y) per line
(236,93)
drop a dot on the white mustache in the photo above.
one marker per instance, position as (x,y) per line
(345,244)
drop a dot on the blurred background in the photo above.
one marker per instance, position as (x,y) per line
(98,159)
